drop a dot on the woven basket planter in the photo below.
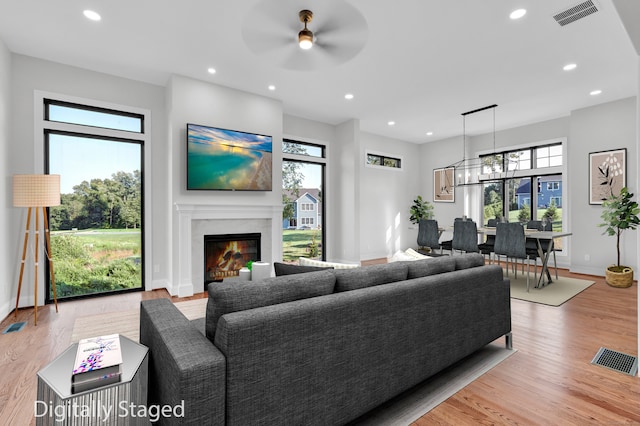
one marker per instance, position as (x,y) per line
(619,279)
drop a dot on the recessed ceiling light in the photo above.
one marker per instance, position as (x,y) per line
(569,67)
(211,70)
(272,87)
(348,96)
(517,14)
(595,92)
(429,133)
(391,123)
(90,14)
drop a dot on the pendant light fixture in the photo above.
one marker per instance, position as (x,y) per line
(475,171)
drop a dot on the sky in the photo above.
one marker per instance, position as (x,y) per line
(77,159)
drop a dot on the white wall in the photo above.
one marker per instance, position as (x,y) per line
(199,102)
(385,197)
(7,248)
(435,155)
(599,128)
(344,235)
(30,75)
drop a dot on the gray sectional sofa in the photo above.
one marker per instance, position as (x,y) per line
(321,347)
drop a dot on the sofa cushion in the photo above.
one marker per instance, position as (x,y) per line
(232,296)
(303,261)
(289,269)
(431,266)
(469,260)
(369,276)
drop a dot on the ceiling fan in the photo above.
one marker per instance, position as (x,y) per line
(337,33)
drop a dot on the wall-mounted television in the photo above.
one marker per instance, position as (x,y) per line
(228,160)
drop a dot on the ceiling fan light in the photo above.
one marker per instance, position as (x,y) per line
(305,39)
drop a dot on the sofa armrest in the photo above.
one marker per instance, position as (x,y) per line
(183,365)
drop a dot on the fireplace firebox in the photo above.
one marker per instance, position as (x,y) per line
(226,254)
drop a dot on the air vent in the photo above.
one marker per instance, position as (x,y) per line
(617,361)
(576,12)
(15,327)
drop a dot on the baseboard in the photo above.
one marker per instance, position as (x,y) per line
(588,270)
(5,310)
(158,284)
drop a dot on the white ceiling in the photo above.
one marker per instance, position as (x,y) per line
(422,64)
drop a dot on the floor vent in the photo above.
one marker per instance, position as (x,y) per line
(617,361)
(576,12)
(15,327)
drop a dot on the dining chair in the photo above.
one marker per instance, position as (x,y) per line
(486,248)
(510,242)
(428,236)
(532,243)
(465,236)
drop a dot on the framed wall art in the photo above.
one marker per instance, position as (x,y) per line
(607,174)
(443,185)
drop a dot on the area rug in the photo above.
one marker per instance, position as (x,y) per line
(127,322)
(409,406)
(554,294)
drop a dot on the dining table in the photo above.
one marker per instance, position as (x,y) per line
(544,244)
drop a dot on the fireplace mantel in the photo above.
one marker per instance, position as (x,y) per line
(199,218)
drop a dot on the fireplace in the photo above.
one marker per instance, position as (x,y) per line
(226,254)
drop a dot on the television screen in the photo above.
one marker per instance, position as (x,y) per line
(221,159)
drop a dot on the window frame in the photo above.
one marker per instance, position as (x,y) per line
(40,125)
(383,157)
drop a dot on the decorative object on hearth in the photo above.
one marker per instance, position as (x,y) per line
(619,213)
(477,170)
(36,192)
(607,174)
(260,271)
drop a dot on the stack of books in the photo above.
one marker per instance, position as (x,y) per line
(98,362)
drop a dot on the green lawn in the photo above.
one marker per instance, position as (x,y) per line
(295,243)
(96,260)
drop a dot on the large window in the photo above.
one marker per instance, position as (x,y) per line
(303,199)
(531,187)
(96,232)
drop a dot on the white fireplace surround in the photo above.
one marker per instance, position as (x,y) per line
(194,221)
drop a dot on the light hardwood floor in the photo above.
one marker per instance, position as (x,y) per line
(549,381)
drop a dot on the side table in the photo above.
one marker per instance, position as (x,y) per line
(119,403)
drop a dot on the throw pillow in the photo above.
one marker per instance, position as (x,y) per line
(400,256)
(303,261)
(233,296)
(289,269)
(370,276)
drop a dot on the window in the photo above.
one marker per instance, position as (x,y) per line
(303,171)
(383,161)
(549,156)
(97,230)
(66,112)
(524,200)
(519,160)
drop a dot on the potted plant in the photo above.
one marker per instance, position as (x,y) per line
(619,213)
(420,209)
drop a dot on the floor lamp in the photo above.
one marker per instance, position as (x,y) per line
(36,192)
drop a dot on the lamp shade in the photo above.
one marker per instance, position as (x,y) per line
(36,190)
